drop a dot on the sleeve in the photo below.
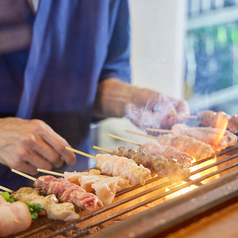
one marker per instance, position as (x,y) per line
(117,63)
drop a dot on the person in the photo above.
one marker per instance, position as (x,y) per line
(74,70)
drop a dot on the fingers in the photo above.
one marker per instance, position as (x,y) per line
(54,147)
(30,144)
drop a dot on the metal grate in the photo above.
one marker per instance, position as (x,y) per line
(72,229)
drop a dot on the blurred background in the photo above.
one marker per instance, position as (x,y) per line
(187,49)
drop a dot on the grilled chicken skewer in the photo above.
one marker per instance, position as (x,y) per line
(209,118)
(68,192)
(114,166)
(65,191)
(54,210)
(208,135)
(105,187)
(195,148)
(169,152)
(159,165)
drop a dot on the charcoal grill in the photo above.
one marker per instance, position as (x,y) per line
(144,211)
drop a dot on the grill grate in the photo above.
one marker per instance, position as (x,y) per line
(71,229)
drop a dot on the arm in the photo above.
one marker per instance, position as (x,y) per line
(145,108)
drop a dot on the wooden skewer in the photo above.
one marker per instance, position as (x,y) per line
(120,138)
(6,189)
(140,134)
(159,130)
(187,116)
(80,152)
(50,172)
(102,149)
(23,174)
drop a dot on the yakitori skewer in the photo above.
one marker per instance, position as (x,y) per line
(168,152)
(45,205)
(114,166)
(159,165)
(65,191)
(217,138)
(197,149)
(105,187)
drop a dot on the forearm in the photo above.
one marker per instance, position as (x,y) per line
(112,97)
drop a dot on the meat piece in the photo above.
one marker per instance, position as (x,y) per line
(128,169)
(207,135)
(233,123)
(53,209)
(195,148)
(107,188)
(209,118)
(159,165)
(14,217)
(168,152)
(68,192)
(61,211)
(74,177)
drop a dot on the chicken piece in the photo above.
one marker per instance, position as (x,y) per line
(209,118)
(14,217)
(168,152)
(207,135)
(233,123)
(53,209)
(115,166)
(74,177)
(159,165)
(86,181)
(107,188)
(61,211)
(195,148)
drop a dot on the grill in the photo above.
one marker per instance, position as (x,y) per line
(149,210)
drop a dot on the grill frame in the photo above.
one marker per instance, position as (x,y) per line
(139,225)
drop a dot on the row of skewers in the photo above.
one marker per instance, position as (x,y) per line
(171,157)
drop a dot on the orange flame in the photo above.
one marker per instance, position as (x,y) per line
(221,123)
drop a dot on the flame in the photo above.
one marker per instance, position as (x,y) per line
(221,124)
(195,176)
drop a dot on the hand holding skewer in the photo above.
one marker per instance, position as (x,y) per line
(30,144)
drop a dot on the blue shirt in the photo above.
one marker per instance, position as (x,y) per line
(75,45)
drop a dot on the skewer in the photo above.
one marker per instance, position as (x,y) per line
(50,172)
(159,130)
(140,134)
(23,174)
(102,149)
(187,116)
(6,189)
(80,152)
(123,139)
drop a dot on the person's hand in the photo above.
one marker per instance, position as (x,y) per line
(26,145)
(155,110)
